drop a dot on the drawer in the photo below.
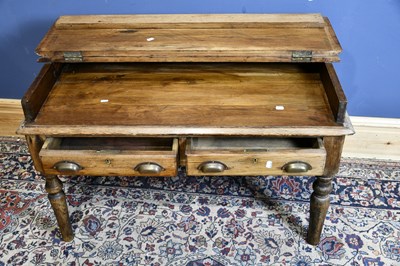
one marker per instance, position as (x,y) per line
(255,156)
(110,156)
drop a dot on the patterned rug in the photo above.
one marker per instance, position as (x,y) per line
(198,220)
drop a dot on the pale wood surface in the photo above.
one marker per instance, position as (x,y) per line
(183,20)
(161,38)
(375,138)
(181,98)
(109,162)
(253,162)
(11,116)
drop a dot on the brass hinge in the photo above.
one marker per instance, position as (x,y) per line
(73,56)
(302,56)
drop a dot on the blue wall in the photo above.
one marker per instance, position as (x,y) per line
(369,31)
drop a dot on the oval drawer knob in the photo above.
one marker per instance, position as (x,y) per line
(212,167)
(66,166)
(296,167)
(149,168)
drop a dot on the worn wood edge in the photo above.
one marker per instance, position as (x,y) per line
(375,137)
(37,93)
(332,36)
(160,20)
(171,131)
(333,89)
(178,56)
(44,40)
(263,54)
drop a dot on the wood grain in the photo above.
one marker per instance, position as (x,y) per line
(319,204)
(111,162)
(334,147)
(188,20)
(56,195)
(173,131)
(335,95)
(35,143)
(201,38)
(37,93)
(11,116)
(249,161)
(190,96)
(376,138)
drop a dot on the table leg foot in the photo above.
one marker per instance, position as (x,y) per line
(319,205)
(59,204)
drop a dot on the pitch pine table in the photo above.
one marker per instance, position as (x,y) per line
(219,94)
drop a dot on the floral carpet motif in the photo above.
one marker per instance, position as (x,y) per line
(187,220)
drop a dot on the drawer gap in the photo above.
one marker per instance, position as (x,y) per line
(115,143)
(253,144)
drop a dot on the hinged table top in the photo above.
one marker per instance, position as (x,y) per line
(191,38)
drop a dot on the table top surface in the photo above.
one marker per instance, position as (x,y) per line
(223,98)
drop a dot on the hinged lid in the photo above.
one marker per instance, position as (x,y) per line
(194,38)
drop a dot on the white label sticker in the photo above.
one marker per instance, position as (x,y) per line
(104,101)
(279,107)
(268,164)
(150,39)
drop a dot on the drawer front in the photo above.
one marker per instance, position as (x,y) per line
(113,159)
(272,161)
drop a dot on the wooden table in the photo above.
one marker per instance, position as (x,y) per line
(219,94)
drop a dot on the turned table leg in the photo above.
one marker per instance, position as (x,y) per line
(322,188)
(318,208)
(59,205)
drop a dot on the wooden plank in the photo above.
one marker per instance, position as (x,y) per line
(336,97)
(38,91)
(177,38)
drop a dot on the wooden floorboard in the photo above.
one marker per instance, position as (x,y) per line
(375,137)
(11,116)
